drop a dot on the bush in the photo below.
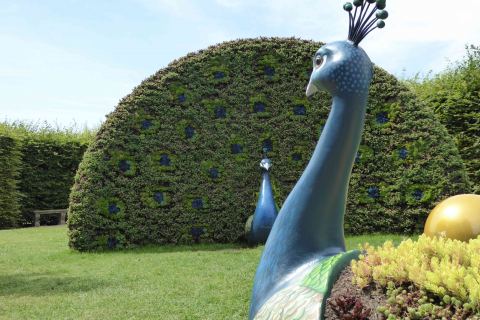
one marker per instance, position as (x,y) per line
(9,172)
(434,275)
(49,160)
(148,176)
(454,95)
(48,170)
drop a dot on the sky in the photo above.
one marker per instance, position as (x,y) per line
(69,62)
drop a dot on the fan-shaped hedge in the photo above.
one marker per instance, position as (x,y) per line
(177,161)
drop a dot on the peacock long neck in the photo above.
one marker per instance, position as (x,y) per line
(310,224)
(265,212)
(316,206)
(265,188)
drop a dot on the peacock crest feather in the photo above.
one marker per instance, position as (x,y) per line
(363,21)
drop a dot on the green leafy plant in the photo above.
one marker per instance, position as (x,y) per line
(410,302)
(429,277)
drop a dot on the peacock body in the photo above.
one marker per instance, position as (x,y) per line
(266,209)
(306,248)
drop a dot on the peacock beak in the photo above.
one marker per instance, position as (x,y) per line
(311,89)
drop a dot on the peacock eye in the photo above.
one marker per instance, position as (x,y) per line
(318,61)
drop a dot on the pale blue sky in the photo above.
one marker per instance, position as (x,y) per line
(70,61)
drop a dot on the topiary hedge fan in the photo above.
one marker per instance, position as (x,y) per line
(177,161)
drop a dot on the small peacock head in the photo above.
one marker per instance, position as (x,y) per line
(342,66)
(266,163)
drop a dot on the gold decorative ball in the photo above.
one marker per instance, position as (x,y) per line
(457,217)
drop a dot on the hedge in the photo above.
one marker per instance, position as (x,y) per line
(9,172)
(177,161)
(49,158)
(454,95)
(48,169)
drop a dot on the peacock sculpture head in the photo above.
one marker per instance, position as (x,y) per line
(342,67)
(266,163)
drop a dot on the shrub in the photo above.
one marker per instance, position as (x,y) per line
(48,169)
(9,172)
(410,302)
(454,95)
(443,273)
(49,160)
(214,111)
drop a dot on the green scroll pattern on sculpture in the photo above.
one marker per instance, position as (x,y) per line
(307,300)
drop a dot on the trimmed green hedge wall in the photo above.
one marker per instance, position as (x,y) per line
(177,161)
(48,170)
(9,172)
(48,160)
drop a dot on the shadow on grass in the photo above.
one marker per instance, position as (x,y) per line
(42,284)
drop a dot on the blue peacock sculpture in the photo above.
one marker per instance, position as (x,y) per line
(266,209)
(305,251)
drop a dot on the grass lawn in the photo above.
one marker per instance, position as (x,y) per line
(41,278)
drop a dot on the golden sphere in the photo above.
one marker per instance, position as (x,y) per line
(457,217)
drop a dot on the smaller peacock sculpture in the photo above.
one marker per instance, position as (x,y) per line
(266,210)
(305,251)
